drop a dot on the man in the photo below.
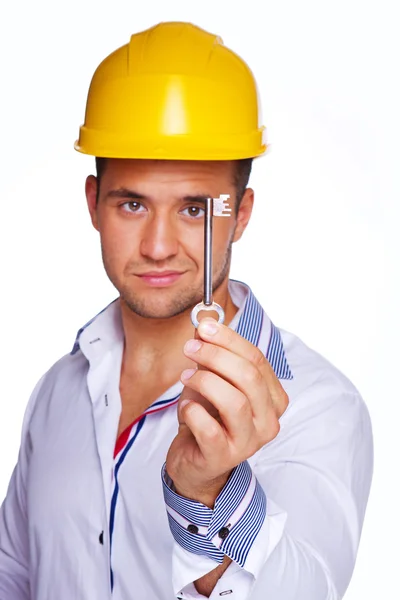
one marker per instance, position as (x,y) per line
(138,476)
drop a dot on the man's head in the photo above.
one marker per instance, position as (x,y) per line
(176,114)
(150,217)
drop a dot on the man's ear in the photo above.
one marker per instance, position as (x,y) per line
(91,196)
(244,213)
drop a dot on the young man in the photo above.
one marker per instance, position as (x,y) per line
(140,475)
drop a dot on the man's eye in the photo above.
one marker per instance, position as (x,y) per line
(194,211)
(132,206)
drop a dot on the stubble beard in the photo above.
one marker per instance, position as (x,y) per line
(161,307)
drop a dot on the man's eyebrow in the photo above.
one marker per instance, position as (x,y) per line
(125,193)
(128,193)
(197,198)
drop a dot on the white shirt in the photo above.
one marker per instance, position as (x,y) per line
(80,523)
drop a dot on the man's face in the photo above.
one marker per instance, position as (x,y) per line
(150,221)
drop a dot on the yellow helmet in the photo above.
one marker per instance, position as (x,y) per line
(174,92)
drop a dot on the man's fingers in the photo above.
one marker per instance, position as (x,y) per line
(232,407)
(231,341)
(209,434)
(239,372)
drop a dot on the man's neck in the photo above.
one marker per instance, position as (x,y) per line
(151,343)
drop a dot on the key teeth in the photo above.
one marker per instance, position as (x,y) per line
(221,207)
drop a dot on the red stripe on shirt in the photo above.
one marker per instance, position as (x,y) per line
(124,436)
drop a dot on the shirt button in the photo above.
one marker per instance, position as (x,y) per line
(223,533)
(192,529)
(101,538)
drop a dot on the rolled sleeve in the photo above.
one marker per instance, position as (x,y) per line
(230,528)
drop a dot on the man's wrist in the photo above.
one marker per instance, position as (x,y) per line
(207,495)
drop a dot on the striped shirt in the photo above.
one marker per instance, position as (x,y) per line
(90,516)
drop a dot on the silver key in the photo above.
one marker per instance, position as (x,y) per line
(217,207)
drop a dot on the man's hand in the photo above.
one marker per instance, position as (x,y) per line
(228,409)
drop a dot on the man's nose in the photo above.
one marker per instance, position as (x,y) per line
(159,238)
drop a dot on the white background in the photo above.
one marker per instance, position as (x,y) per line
(321,252)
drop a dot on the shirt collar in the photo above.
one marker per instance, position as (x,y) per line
(251,322)
(106,327)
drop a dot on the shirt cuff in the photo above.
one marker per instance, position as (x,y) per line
(230,528)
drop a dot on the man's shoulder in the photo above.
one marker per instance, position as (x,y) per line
(313,372)
(323,401)
(76,363)
(67,372)
(69,363)
(69,368)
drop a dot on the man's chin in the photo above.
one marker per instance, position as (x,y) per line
(160,312)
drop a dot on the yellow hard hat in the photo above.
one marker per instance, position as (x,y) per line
(174,92)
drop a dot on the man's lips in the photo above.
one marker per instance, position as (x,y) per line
(159,273)
(160,278)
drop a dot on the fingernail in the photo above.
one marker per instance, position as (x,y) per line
(208,326)
(192,346)
(184,403)
(187,373)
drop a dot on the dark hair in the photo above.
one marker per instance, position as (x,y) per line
(240,178)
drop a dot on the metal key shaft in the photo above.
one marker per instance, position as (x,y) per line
(208,229)
(217,207)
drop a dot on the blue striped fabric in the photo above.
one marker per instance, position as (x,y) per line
(251,320)
(196,544)
(242,530)
(276,355)
(238,543)
(233,493)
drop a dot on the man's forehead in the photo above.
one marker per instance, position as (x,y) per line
(168,169)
